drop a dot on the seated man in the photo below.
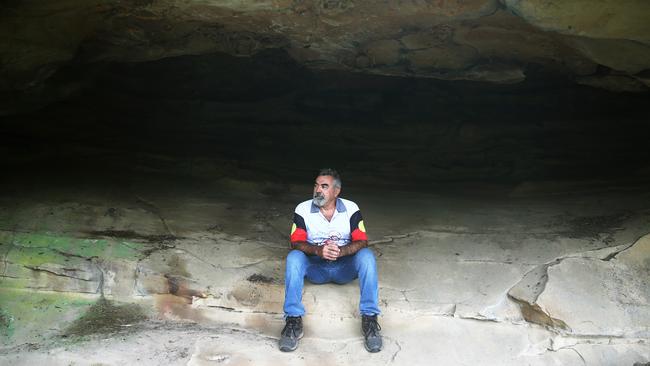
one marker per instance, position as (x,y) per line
(329,244)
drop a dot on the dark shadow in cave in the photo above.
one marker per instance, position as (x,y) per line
(266,117)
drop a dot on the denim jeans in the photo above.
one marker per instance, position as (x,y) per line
(343,270)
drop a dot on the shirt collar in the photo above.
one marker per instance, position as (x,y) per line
(340,206)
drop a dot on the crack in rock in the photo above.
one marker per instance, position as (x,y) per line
(46,289)
(226,308)
(216,266)
(399,348)
(38,269)
(55,250)
(579,355)
(5,261)
(233,310)
(477,318)
(391,238)
(526,292)
(247,265)
(616,253)
(560,342)
(156,211)
(100,287)
(405,297)
(158,240)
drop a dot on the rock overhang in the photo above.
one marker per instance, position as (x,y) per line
(603,45)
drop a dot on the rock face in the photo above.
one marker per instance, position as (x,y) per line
(561,294)
(67,265)
(577,283)
(605,19)
(448,40)
(463,280)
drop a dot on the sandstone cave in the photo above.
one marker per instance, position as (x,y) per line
(154,151)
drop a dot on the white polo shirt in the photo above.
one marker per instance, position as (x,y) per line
(311,226)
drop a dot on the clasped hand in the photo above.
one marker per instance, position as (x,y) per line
(330,251)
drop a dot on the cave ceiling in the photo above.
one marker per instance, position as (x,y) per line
(604,43)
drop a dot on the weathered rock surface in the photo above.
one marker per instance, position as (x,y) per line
(619,83)
(67,264)
(637,257)
(455,293)
(627,56)
(604,19)
(561,294)
(422,341)
(421,39)
(575,284)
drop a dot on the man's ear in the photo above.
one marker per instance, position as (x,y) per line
(337,190)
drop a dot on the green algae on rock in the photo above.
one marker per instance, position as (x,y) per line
(79,247)
(23,313)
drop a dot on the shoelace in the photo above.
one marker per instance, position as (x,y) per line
(371,327)
(290,330)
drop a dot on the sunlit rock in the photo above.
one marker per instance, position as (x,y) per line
(603,19)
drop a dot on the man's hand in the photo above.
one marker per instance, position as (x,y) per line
(329,251)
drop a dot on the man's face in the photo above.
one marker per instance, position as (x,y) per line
(324,190)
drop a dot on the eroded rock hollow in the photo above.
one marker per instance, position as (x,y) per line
(154,151)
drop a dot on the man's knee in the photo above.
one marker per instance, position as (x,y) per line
(365,258)
(296,259)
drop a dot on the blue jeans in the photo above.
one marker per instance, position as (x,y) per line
(343,270)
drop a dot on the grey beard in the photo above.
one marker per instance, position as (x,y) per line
(319,201)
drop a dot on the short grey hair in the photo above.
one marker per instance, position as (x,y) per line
(332,173)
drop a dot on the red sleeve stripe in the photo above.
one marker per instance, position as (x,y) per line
(299,235)
(358,235)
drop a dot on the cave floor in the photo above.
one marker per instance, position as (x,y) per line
(534,274)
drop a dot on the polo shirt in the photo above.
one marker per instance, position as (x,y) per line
(311,226)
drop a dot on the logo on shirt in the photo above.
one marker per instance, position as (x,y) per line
(362,227)
(333,236)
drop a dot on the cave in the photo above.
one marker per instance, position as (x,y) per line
(154,152)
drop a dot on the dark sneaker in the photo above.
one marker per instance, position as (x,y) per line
(370,329)
(291,333)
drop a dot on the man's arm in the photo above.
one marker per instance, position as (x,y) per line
(357,234)
(353,247)
(307,248)
(346,250)
(328,251)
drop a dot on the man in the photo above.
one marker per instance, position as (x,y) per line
(329,244)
